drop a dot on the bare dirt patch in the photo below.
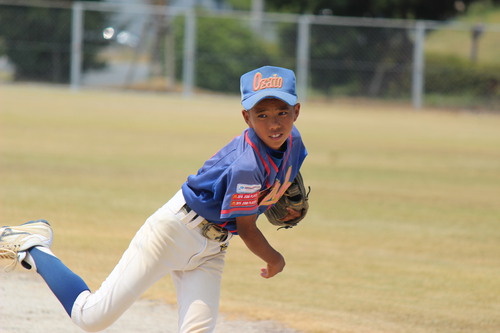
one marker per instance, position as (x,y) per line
(28,305)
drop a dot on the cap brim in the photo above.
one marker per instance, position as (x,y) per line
(256,98)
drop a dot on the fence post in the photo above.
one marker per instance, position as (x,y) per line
(188,66)
(257,10)
(76,45)
(303,56)
(418,66)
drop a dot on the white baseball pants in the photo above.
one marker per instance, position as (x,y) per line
(168,242)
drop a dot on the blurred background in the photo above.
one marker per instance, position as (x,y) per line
(425,53)
(403,231)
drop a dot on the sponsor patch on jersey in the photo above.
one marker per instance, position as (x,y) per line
(244,200)
(246,188)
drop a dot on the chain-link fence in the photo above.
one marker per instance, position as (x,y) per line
(99,44)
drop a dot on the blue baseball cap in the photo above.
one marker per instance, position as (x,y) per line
(267,82)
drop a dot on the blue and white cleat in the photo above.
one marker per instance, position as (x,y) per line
(16,241)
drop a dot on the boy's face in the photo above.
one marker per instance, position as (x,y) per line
(272,120)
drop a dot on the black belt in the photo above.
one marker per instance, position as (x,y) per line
(210,230)
(188,209)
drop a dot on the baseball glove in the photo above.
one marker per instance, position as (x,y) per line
(296,198)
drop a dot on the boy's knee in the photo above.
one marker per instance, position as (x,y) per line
(198,317)
(85,318)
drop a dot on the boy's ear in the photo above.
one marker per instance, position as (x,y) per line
(246,116)
(297,111)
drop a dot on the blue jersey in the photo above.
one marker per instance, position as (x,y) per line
(244,178)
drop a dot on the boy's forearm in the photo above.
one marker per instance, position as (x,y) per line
(256,242)
(259,245)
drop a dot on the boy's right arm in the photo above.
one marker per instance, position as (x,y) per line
(258,244)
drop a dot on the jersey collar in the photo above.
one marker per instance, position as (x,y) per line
(263,152)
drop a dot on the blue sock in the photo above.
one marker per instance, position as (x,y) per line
(65,284)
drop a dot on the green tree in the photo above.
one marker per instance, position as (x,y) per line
(37,41)
(225,48)
(359,60)
(403,9)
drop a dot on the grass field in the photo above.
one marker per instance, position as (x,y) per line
(404,227)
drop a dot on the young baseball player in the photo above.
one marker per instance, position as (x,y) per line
(188,236)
